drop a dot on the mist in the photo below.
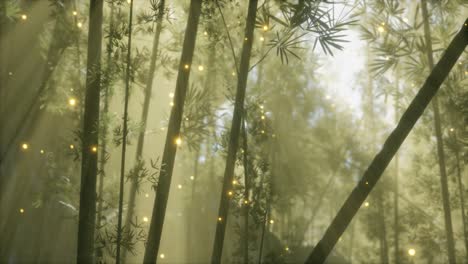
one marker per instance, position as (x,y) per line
(240,131)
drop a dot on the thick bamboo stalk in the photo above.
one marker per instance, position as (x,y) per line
(87,213)
(391,146)
(173,133)
(235,132)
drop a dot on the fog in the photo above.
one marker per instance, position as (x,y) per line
(257,131)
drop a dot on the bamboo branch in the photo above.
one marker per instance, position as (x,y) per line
(391,146)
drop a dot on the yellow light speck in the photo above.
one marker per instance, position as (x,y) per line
(162,256)
(146,195)
(263,117)
(265,27)
(25,146)
(366,204)
(94,149)
(201,68)
(145,219)
(75,13)
(230,193)
(205,33)
(79,24)
(381,29)
(234,182)
(186,66)
(262,39)
(220,219)
(411,252)
(178,141)
(24,16)
(72,101)
(72,146)
(179,186)
(192,178)
(272,221)
(21,210)
(42,151)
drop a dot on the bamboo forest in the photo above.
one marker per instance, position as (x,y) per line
(234,131)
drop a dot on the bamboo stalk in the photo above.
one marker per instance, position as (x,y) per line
(391,146)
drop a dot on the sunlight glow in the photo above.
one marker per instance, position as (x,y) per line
(72,101)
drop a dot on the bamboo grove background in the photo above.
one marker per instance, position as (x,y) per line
(227,131)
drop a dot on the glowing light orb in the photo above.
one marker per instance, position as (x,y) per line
(72,101)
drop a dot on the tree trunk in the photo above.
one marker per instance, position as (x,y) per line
(105,128)
(124,137)
(391,146)
(191,210)
(144,115)
(382,231)
(396,233)
(105,111)
(173,132)
(87,214)
(382,234)
(246,192)
(3,79)
(440,144)
(235,131)
(462,202)
(208,85)
(54,54)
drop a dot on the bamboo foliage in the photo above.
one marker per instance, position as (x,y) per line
(391,146)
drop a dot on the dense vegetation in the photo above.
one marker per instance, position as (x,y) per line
(233,131)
